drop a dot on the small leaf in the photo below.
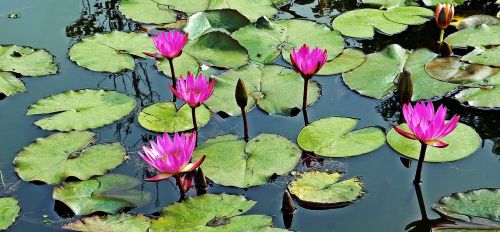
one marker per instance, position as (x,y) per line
(164,117)
(10,84)
(201,22)
(147,11)
(410,15)
(363,22)
(26,61)
(9,210)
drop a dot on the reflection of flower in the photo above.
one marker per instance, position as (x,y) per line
(171,157)
(443,15)
(169,44)
(426,126)
(192,90)
(308,62)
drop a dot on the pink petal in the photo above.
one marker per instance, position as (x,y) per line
(436,143)
(404,133)
(159,177)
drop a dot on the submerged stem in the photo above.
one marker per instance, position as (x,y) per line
(421,158)
(245,123)
(174,79)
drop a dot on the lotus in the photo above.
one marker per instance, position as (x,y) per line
(443,16)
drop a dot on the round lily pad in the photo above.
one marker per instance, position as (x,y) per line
(26,61)
(350,59)
(385,3)
(483,35)
(227,19)
(111,52)
(482,97)
(476,206)
(452,70)
(410,15)
(82,109)
(56,157)
(322,189)
(10,84)
(164,117)
(333,137)
(147,11)
(111,193)
(484,56)
(363,22)
(458,147)
(435,2)
(232,162)
(212,213)
(9,210)
(111,223)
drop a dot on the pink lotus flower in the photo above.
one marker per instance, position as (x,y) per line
(426,126)
(193,91)
(308,62)
(169,44)
(171,157)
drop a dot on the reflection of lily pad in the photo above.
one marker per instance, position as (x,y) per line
(452,70)
(10,85)
(9,210)
(482,97)
(321,189)
(435,2)
(147,11)
(483,35)
(350,59)
(212,213)
(81,110)
(112,52)
(458,147)
(411,15)
(26,61)
(332,137)
(484,56)
(111,223)
(201,22)
(232,162)
(479,206)
(363,22)
(164,117)
(56,157)
(110,193)
(276,89)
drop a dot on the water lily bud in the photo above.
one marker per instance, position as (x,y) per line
(241,94)
(200,180)
(405,87)
(443,15)
(288,206)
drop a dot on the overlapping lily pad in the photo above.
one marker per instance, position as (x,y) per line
(363,22)
(486,95)
(82,109)
(147,11)
(9,210)
(479,206)
(453,70)
(212,213)
(10,85)
(182,64)
(111,52)
(322,189)
(54,158)
(482,35)
(275,89)
(333,137)
(111,223)
(385,3)
(227,19)
(164,117)
(110,193)
(350,59)
(458,147)
(410,15)
(435,2)
(484,56)
(476,20)
(232,162)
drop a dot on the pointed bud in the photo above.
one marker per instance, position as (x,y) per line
(287,205)
(241,94)
(405,87)
(200,180)
(443,15)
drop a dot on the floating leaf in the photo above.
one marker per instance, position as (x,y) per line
(476,20)
(164,117)
(82,110)
(212,213)
(457,149)
(333,137)
(276,89)
(26,61)
(201,22)
(147,11)
(350,59)
(385,3)
(479,206)
(435,2)
(182,64)
(232,162)
(452,70)
(410,15)
(322,189)
(363,22)
(9,210)
(484,56)
(111,223)
(483,35)
(56,157)
(110,193)
(482,97)
(111,52)
(10,85)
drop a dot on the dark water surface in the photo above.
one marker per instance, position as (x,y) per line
(390,202)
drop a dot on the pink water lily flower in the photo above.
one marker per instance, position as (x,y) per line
(426,126)
(171,157)
(308,62)
(169,44)
(193,90)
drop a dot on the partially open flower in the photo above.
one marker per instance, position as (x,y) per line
(169,44)
(444,14)
(192,90)
(308,62)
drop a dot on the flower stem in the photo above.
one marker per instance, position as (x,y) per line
(245,123)
(441,38)
(193,116)
(421,158)
(421,203)
(181,188)
(304,102)
(174,79)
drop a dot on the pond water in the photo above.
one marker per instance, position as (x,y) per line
(390,202)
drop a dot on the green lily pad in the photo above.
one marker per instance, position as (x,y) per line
(54,158)
(164,117)
(457,149)
(385,3)
(363,22)
(10,85)
(276,89)
(476,20)
(111,223)
(453,70)
(232,162)
(350,59)
(482,97)
(9,210)
(435,2)
(484,56)
(26,61)
(111,52)
(212,213)
(147,11)
(111,193)
(82,109)
(483,35)
(479,206)
(182,64)
(322,189)
(410,15)
(333,137)
(201,22)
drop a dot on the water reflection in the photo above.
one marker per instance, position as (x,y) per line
(320,11)
(425,224)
